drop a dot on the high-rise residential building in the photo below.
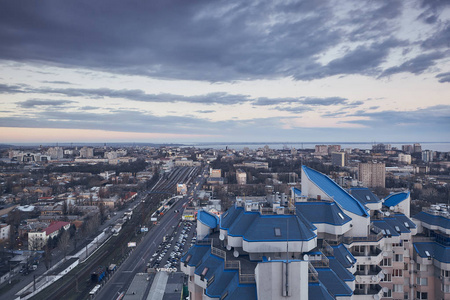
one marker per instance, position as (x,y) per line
(334,148)
(372,174)
(404,158)
(431,258)
(407,149)
(427,156)
(241,176)
(87,152)
(55,152)
(323,244)
(338,159)
(417,148)
(321,149)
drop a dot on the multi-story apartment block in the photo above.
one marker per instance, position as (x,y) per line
(38,239)
(404,158)
(323,244)
(427,156)
(372,174)
(431,265)
(338,159)
(241,176)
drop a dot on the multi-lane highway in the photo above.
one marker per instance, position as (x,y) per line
(139,258)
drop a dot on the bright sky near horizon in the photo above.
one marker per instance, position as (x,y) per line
(221,71)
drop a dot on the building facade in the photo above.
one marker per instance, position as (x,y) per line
(372,174)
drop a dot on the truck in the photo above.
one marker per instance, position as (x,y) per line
(98,274)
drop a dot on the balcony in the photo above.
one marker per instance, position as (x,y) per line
(372,289)
(372,257)
(371,275)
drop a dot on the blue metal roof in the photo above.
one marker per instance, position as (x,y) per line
(343,255)
(433,220)
(334,191)
(389,230)
(404,219)
(208,219)
(253,226)
(395,199)
(316,291)
(297,192)
(333,283)
(436,250)
(364,195)
(197,252)
(322,212)
(340,270)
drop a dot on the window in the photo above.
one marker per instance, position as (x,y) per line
(398,288)
(422,281)
(422,295)
(397,273)
(445,288)
(406,295)
(398,257)
(386,262)
(277,231)
(387,294)
(445,273)
(387,277)
(340,215)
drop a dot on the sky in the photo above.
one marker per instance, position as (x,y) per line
(222,71)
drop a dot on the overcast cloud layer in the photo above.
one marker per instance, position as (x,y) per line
(231,70)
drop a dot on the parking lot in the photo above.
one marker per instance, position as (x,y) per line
(176,243)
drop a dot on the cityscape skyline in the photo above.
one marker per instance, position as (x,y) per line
(177,72)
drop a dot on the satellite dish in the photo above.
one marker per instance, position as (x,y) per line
(381,275)
(358,278)
(221,236)
(385,289)
(387,214)
(374,278)
(235,253)
(376,297)
(391,208)
(228,247)
(305,257)
(385,253)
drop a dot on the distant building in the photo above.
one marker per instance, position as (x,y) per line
(55,153)
(334,148)
(37,240)
(372,174)
(321,150)
(86,152)
(404,158)
(241,176)
(417,148)
(215,173)
(338,159)
(407,149)
(427,156)
(4,231)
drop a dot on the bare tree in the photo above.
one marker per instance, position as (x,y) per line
(64,242)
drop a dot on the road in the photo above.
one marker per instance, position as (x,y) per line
(149,244)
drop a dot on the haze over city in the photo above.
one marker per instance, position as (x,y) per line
(184,71)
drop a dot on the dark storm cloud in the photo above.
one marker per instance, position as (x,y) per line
(416,65)
(31,103)
(202,40)
(444,77)
(430,116)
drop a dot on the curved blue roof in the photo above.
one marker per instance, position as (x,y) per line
(364,195)
(208,219)
(297,192)
(334,191)
(395,199)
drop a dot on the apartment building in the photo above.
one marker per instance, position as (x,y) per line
(372,174)
(325,243)
(431,264)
